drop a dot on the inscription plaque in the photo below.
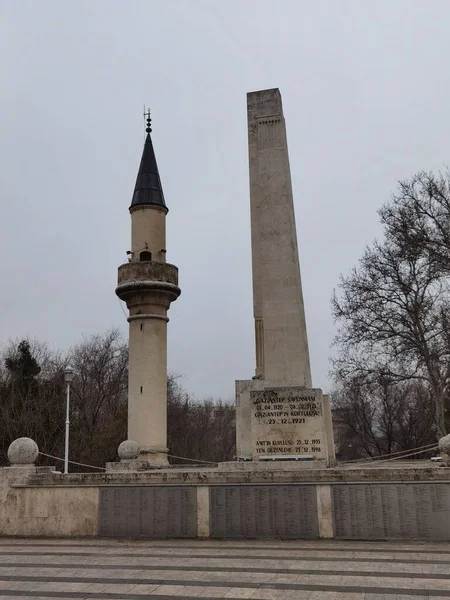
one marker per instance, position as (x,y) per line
(383,511)
(287,421)
(158,512)
(251,511)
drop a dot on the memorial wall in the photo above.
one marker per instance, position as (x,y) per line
(405,503)
(359,511)
(142,511)
(400,511)
(282,511)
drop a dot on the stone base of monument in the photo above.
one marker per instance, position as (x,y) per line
(272,465)
(367,502)
(130,465)
(273,422)
(260,499)
(136,465)
(134,458)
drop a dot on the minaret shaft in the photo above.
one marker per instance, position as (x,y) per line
(282,353)
(148,233)
(147,387)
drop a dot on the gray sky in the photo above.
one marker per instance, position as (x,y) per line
(366,91)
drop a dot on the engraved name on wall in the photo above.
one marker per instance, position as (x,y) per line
(287,421)
(160,512)
(408,511)
(284,512)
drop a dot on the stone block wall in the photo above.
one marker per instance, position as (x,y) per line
(330,503)
(45,511)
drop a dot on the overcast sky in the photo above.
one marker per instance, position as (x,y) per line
(366,96)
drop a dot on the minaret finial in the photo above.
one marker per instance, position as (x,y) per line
(148,189)
(149,121)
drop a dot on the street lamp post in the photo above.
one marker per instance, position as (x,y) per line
(68,377)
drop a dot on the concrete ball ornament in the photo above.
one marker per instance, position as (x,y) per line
(444,444)
(128,450)
(23,451)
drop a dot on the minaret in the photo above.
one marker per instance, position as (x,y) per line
(282,355)
(148,285)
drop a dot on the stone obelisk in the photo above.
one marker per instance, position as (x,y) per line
(282,353)
(148,285)
(279,416)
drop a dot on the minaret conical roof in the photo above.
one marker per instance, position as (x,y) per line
(148,189)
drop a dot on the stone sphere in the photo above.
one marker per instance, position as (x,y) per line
(128,450)
(23,451)
(444,444)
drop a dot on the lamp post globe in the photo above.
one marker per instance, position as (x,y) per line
(68,374)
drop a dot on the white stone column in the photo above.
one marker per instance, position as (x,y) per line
(324,511)
(280,331)
(147,393)
(203,529)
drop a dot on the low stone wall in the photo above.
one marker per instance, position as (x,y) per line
(45,510)
(358,503)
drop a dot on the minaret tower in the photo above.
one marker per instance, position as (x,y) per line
(148,285)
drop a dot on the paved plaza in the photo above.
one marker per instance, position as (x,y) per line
(129,570)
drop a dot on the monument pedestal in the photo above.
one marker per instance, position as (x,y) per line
(133,465)
(271,466)
(283,423)
(156,457)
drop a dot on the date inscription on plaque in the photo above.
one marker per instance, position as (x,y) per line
(156,512)
(252,511)
(286,422)
(402,511)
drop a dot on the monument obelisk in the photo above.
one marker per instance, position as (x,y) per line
(282,353)
(279,415)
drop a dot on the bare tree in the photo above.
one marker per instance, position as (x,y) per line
(31,396)
(199,430)
(32,403)
(418,217)
(99,397)
(393,309)
(381,417)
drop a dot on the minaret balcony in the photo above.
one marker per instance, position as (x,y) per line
(147,278)
(151,271)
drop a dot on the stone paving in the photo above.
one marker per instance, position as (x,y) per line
(261,570)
